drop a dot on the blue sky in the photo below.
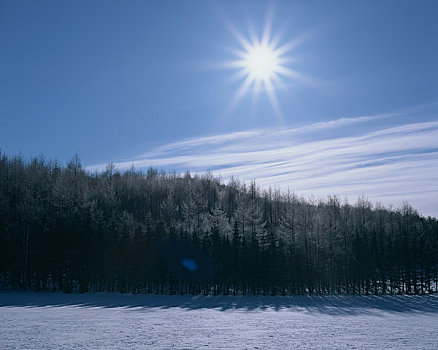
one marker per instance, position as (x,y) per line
(144,82)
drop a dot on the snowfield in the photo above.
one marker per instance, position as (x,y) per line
(116,321)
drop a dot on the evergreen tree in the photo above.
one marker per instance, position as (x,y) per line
(64,228)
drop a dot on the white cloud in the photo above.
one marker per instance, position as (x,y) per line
(386,163)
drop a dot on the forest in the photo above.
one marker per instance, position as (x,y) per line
(64,228)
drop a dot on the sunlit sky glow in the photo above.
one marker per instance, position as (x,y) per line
(317,97)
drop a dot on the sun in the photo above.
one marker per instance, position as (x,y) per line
(261,62)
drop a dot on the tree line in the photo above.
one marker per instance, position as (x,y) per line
(65,228)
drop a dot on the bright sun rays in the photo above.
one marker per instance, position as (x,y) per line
(262,64)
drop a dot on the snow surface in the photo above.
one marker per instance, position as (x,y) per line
(116,321)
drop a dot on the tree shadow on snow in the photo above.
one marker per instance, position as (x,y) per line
(333,305)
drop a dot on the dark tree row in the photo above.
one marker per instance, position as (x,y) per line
(64,228)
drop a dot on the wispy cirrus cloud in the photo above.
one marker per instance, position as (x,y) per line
(388,158)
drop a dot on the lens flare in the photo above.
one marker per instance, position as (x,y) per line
(189,264)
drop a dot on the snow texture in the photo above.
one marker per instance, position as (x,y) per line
(116,321)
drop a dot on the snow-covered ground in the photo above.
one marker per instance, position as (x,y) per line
(115,321)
